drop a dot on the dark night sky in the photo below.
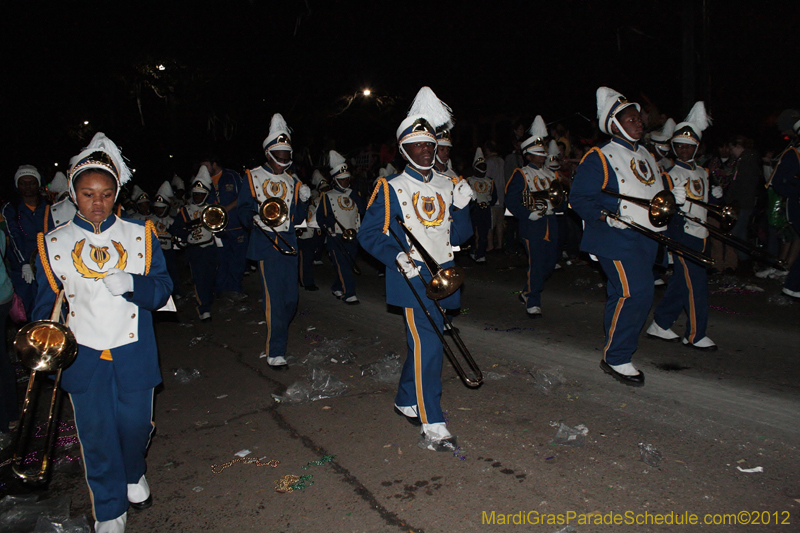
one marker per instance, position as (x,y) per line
(231,65)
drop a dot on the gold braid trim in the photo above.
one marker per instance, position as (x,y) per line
(46,262)
(46,217)
(602,160)
(387,207)
(149,228)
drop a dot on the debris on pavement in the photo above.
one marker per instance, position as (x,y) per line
(649,454)
(197,340)
(320,385)
(75,525)
(291,483)
(325,460)
(750,470)
(329,350)
(20,513)
(567,436)
(386,369)
(547,380)
(185,375)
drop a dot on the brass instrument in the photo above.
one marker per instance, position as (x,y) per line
(727,214)
(659,210)
(273,212)
(213,217)
(483,205)
(449,280)
(555,195)
(42,346)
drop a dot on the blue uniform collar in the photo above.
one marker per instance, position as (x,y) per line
(269,169)
(417,175)
(684,164)
(83,223)
(626,143)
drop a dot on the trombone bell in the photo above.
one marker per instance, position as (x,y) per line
(273,211)
(215,218)
(445,282)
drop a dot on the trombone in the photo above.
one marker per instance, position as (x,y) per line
(348,235)
(659,210)
(444,282)
(555,195)
(727,214)
(273,212)
(213,217)
(42,346)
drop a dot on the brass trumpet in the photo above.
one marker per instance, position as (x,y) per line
(659,210)
(42,346)
(444,282)
(213,217)
(273,212)
(727,214)
(555,195)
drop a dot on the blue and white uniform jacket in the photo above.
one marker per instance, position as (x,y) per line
(695,180)
(343,205)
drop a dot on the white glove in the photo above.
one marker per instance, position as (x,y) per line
(462,194)
(534,216)
(305,193)
(260,223)
(118,282)
(716,191)
(614,223)
(27,273)
(406,265)
(680,195)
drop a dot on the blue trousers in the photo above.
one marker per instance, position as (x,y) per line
(171,259)
(629,296)
(481,224)
(203,264)
(541,243)
(306,250)
(232,261)
(687,291)
(421,377)
(279,282)
(114,429)
(344,280)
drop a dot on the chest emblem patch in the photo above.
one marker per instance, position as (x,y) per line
(433,209)
(98,255)
(641,169)
(274,189)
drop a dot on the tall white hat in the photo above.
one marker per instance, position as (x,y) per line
(59,184)
(138,195)
(338,165)
(101,154)
(426,115)
(202,182)
(534,144)
(280,136)
(478,159)
(665,133)
(163,195)
(177,183)
(609,104)
(690,131)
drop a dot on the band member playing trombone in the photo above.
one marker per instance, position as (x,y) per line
(340,215)
(273,243)
(309,240)
(480,211)
(538,226)
(688,287)
(626,256)
(201,250)
(433,207)
(113,275)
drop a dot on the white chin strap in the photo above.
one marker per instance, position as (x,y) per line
(440,161)
(622,131)
(414,164)
(280,164)
(693,153)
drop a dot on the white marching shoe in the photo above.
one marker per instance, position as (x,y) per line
(437,438)
(112,526)
(703,344)
(139,495)
(658,332)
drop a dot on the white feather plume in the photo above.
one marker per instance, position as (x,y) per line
(104,144)
(336,160)
(278,124)
(59,183)
(604,96)
(428,105)
(698,117)
(538,128)
(390,169)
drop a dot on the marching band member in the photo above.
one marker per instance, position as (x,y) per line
(142,201)
(433,207)
(178,200)
(63,208)
(278,270)
(660,141)
(342,209)
(163,223)
(310,239)
(625,255)
(113,276)
(233,239)
(480,210)
(444,142)
(538,227)
(201,250)
(688,287)
(23,222)
(786,182)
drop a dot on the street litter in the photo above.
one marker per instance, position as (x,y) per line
(20,513)
(242,453)
(493,376)
(547,380)
(197,340)
(185,375)
(325,460)
(386,369)
(333,350)
(567,436)
(320,385)
(568,529)
(198,489)
(75,525)
(291,483)
(750,470)
(779,299)
(221,396)
(649,454)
